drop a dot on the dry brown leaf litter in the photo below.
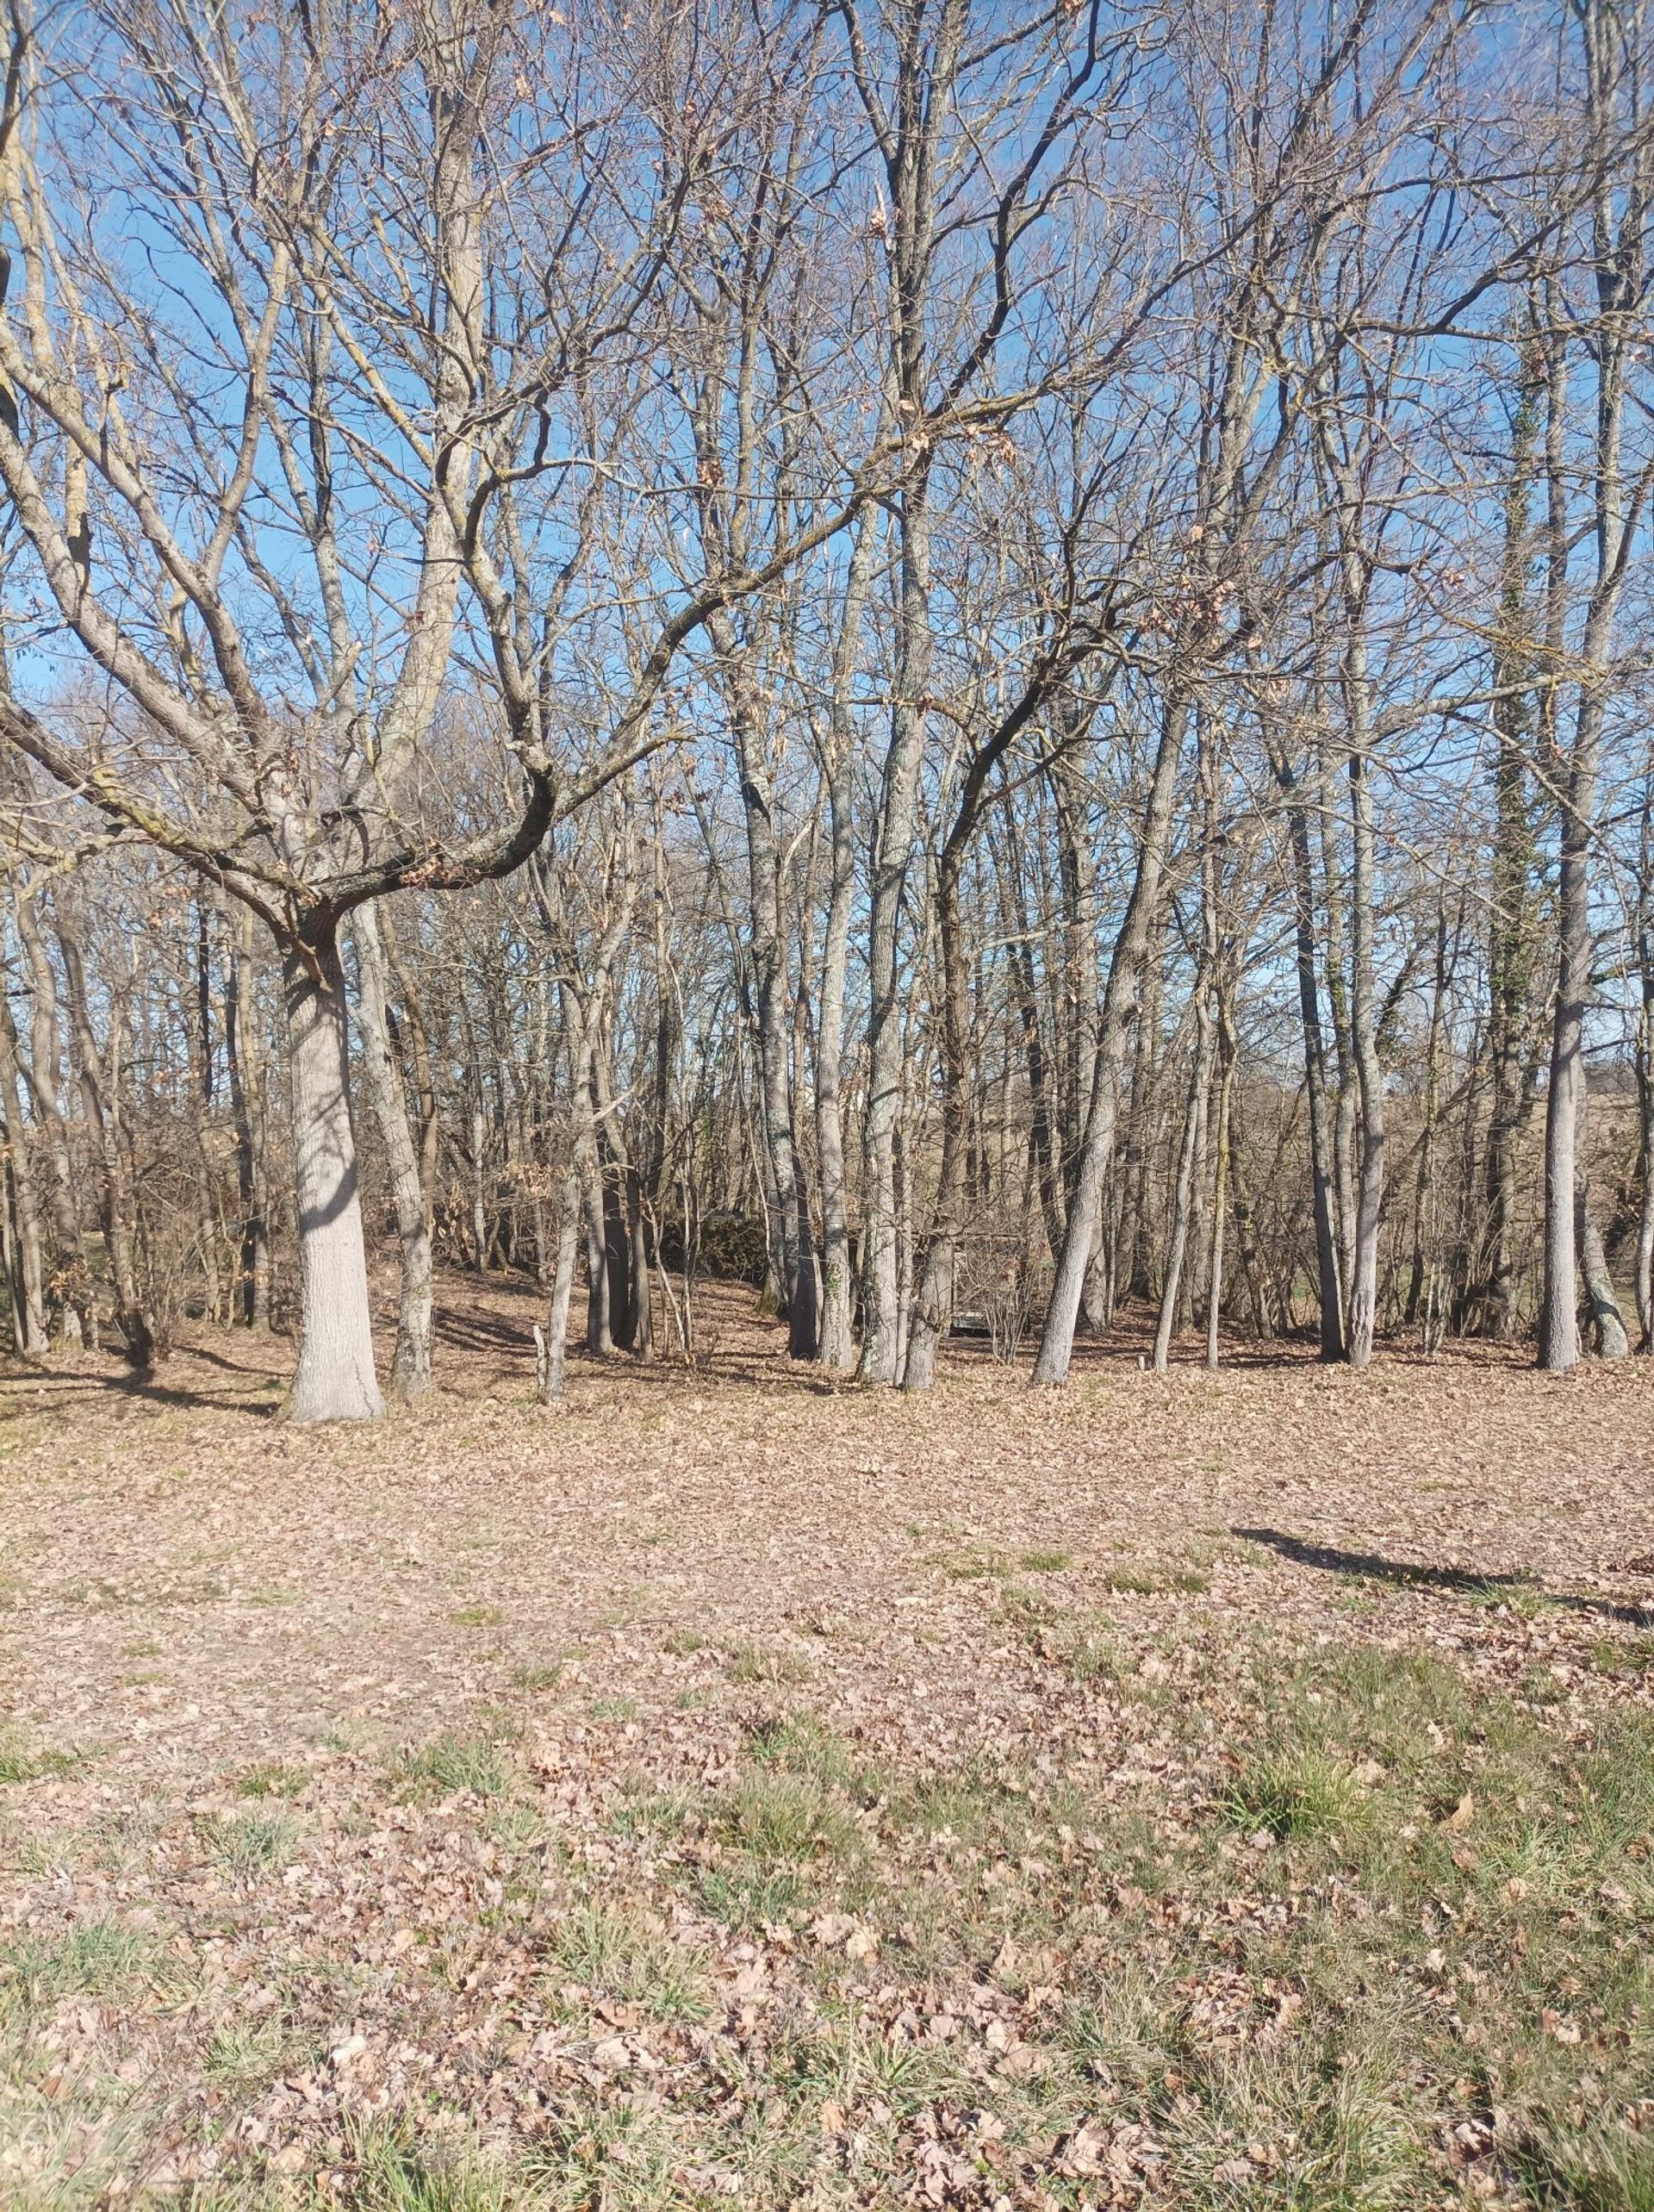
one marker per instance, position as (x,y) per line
(600,1613)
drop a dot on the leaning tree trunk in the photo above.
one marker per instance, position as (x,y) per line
(334,1379)
(1084,1211)
(1606,1320)
(410,1368)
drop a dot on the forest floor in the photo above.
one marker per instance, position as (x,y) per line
(1226,1790)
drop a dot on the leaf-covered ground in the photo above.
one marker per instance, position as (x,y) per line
(1228,1791)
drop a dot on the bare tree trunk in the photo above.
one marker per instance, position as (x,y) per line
(551,1347)
(1644,1262)
(1227,1057)
(1620,249)
(1057,1340)
(881,1330)
(410,1369)
(1510,933)
(1321,1169)
(836,1350)
(933,1309)
(100,1090)
(29,1334)
(45,1075)
(1182,1190)
(1607,1321)
(334,1379)
(247,1086)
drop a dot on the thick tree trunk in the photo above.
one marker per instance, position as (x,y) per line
(334,1379)
(410,1368)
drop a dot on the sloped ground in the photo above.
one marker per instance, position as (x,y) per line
(1229,1790)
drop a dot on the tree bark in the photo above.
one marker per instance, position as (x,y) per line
(246,1087)
(410,1368)
(334,1379)
(1057,1339)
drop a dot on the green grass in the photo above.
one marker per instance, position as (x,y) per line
(451,1763)
(625,1955)
(538,1678)
(19,1765)
(267,1777)
(90,1957)
(1296,1793)
(614,1709)
(753,1663)
(248,1844)
(394,2169)
(1157,1581)
(477,1617)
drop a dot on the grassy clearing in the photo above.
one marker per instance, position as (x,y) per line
(1396,1955)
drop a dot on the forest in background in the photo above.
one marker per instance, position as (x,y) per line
(977,665)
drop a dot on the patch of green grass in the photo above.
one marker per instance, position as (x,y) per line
(1045,1562)
(752,1662)
(267,1777)
(90,1957)
(1292,1794)
(239,2057)
(1167,1580)
(395,2169)
(625,1955)
(451,1762)
(1029,1610)
(477,1617)
(1624,1655)
(614,1709)
(791,1817)
(247,1844)
(1602,2168)
(18,1765)
(538,1678)
(683,1643)
(970,1565)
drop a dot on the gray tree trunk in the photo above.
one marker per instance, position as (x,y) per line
(410,1368)
(551,1345)
(334,1379)
(1057,1339)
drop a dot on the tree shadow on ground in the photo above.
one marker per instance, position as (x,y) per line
(1456,1581)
